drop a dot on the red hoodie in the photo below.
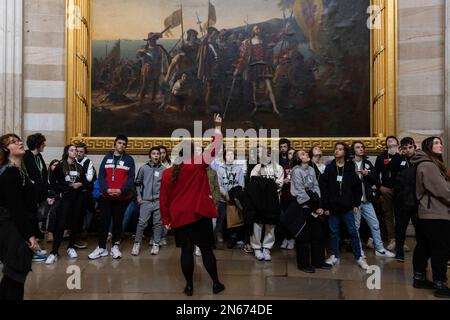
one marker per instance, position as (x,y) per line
(190,198)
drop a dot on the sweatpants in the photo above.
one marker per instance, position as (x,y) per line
(259,241)
(150,209)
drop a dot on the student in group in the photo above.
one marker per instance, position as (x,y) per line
(68,180)
(116,179)
(433,227)
(187,207)
(17,238)
(310,243)
(88,202)
(369,180)
(404,210)
(53,202)
(284,146)
(315,153)
(287,198)
(386,189)
(165,157)
(230,175)
(341,197)
(148,185)
(267,168)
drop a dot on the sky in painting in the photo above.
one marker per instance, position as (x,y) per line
(133,19)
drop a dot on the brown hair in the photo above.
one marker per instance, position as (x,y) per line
(4,140)
(438,160)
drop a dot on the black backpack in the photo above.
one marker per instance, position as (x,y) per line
(405,188)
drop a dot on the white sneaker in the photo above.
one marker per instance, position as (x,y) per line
(259,254)
(72,253)
(41,252)
(284,244)
(155,249)
(163,242)
(266,255)
(198,252)
(51,259)
(369,244)
(363,263)
(98,253)
(391,246)
(115,252)
(291,244)
(136,249)
(333,260)
(385,253)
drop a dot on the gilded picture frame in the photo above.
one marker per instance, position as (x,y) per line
(383,66)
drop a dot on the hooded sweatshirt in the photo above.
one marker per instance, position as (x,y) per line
(432,189)
(302,179)
(230,175)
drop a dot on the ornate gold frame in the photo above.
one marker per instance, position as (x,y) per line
(78,96)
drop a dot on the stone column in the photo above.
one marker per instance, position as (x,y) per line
(11,62)
(447,83)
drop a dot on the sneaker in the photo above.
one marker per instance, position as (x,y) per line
(259,255)
(163,242)
(421,282)
(308,269)
(363,263)
(81,245)
(332,260)
(284,244)
(442,291)
(38,257)
(41,252)
(385,253)
(291,244)
(324,266)
(155,249)
(198,252)
(391,246)
(266,255)
(369,244)
(98,253)
(136,249)
(115,252)
(72,253)
(51,259)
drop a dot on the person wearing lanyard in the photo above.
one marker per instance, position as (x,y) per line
(386,190)
(67,180)
(341,196)
(116,179)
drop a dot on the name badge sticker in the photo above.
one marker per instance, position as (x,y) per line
(157,174)
(121,163)
(403,163)
(339,179)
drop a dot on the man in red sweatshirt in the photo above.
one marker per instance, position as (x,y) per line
(116,179)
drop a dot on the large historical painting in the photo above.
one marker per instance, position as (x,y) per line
(301,66)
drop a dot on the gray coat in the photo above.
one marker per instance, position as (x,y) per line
(302,179)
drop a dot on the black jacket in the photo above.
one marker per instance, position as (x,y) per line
(262,204)
(370,180)
(383,168)
(39,177)
(60,181)
(335,200)
(16,223)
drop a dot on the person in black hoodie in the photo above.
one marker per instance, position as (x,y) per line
(17,238)
(68,180)
(341,196)
(37,171)
(403,212)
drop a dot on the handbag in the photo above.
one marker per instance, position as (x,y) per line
(235,217)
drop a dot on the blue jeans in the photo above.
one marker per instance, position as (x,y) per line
(368,212)
(349,221)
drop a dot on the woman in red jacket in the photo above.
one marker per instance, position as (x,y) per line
(187,206)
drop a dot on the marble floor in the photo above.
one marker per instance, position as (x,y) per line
(160,277)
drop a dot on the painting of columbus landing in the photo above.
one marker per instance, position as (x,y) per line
(301,66)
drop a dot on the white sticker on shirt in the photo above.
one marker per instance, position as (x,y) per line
(73,173)
(157,174)
(67,178)
(339,179)
(403,163)
(367,167)
(109,161)
(121,163)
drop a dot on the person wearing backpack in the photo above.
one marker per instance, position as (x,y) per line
(404,194)
(433,227)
